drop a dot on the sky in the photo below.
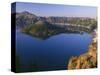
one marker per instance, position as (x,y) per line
(57,10)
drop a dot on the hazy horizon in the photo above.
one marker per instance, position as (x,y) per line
(41,9)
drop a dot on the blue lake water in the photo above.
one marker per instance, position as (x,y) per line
(52,53)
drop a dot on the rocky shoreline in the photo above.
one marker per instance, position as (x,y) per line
(86,60)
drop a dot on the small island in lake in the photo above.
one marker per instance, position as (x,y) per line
(42,30)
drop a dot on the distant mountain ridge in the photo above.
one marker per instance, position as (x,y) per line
(26,18)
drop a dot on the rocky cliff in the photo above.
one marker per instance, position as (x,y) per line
(86,60)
